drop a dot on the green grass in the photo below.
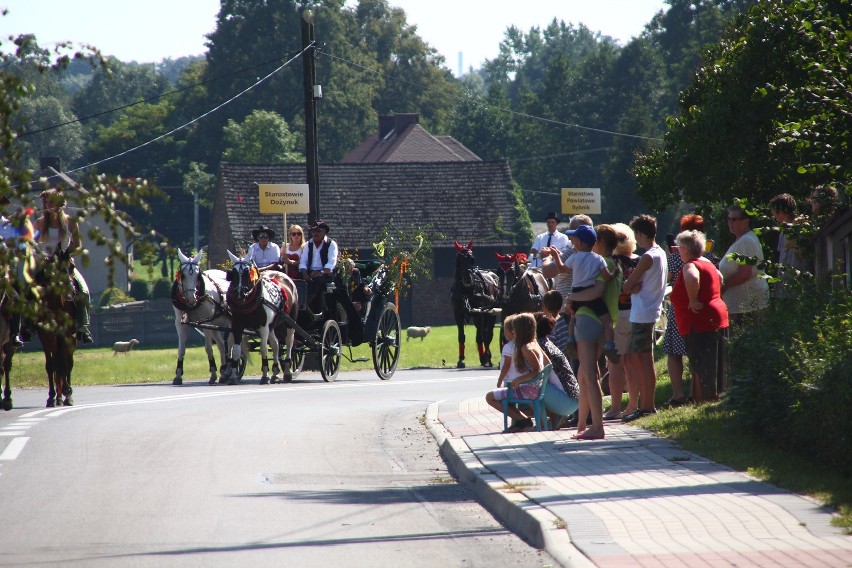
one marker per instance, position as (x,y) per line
(708,430)
(147,363)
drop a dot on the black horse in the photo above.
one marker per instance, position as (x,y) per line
(474,297)
(520,289)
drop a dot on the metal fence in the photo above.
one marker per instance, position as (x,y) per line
(150,321)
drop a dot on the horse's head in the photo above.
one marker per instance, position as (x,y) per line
(465,263)
(243,277)
(510,270)
(189,278)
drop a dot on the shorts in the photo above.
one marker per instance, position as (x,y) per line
(622,332)
(527,392)
(641,338)
(587,328)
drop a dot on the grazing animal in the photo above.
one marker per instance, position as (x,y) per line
(473,296)
(54,285)
(521,288)
(124,346)
(257,302)
(415,332)
(199,298)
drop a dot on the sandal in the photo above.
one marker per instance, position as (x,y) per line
(617,416)
(675,402)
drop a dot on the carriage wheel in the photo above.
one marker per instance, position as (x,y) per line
(330,351)
(386,343)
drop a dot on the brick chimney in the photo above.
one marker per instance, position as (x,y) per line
(404,120)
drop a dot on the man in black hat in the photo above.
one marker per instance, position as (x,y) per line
(549,238)
(319,260)
(264,252)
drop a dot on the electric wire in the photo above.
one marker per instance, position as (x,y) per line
(196,119)
(495,107)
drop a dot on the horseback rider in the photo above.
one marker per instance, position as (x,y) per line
(319,261)
(56,227)
(14,231)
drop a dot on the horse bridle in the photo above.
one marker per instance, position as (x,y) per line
(192,266)
(248,302)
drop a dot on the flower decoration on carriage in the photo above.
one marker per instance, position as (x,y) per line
(406,254)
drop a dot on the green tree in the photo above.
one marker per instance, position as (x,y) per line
(262,138)
(768,112)
(66,142)
(198,182)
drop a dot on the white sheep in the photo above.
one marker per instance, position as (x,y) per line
(420,332)
(124,346)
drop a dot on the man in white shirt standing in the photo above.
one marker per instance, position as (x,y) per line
(549,238)
(319,260)
(647,287)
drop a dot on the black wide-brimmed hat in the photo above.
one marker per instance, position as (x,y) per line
(263,229)
(320,225)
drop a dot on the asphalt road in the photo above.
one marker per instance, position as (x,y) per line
(304,474)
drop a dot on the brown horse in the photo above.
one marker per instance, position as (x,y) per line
(54,286)
(7,349)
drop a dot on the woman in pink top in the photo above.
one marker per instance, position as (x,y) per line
(700,312)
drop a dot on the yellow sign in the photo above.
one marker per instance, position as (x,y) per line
(283,198)
(581,200)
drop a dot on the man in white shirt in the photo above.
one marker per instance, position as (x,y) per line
(549,238)
(647,287)
(264,252)
(319,260)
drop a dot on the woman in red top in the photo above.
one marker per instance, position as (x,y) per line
(700,312)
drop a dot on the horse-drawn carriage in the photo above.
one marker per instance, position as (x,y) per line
(271,307)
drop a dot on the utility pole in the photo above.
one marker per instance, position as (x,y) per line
(312,93)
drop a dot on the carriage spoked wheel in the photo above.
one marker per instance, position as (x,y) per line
(330,349)
(386,343)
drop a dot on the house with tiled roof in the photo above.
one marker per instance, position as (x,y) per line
(455,200)
(400,138)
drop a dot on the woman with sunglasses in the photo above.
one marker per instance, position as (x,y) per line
(291,253)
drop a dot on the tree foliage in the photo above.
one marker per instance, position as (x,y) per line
(769,112)
(262,138)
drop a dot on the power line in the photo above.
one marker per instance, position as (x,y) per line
(149,99)
(510,111)
(196,119)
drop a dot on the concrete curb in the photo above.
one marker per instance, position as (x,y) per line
(521,515)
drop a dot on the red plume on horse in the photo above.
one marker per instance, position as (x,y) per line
(520,288)
(473,296)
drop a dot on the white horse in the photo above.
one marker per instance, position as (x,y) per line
(199,298)
(257,303)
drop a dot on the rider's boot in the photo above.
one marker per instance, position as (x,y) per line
(81,311)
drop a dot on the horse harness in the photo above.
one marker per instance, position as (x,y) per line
(219,308)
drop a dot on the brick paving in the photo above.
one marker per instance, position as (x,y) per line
(634,499)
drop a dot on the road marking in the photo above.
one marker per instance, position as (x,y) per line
(13,432)
(13,449)
(251,390)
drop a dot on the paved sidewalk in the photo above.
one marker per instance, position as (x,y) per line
(630,500)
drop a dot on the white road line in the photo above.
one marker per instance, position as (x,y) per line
(53,412)
(13,432)
(13,449)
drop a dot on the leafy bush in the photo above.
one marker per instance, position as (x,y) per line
(112,296)
(790,376)
(140,289)
(162,289)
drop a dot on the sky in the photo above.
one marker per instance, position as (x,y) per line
(153,30)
